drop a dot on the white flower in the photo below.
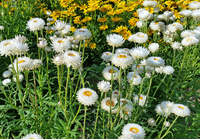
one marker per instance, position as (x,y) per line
(66,29)
(47,49)
(139,52)
(87,96)
(159,69)
(122,50)
(21,78)
(196,13)
(105,104)
(42,43)
(125,114)
(106,56)
(155,61)
(127,104)
(24,63)
(165,109)
(59,25)
(6,47)
(122,60)
(133,130)
(48,13)
(140,24)
(148,3)
(72,58)
(36,63)
(35,24)
(139,68)
(161,17)
(186,13)
(32,136)
(107,72)
(58,60)
(168,14)
(176,45)
(20,38)
(134,80)
(149,69)
(158,110)
(82,34)
(156,26)
(168,70)
(143,15)
(143,62)
(6,74)
(1,27)
(153,47)
(142,99)
(139,37)
(115,94)
(5,82)
(19,48)
(174,27)
(180,110)
(167,124)
(60,45)
(124,137)
(115,40)
(194,5)
(104,86)
(189,41)
(188,33)
(151,122)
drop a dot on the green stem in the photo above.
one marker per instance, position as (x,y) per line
(66,91)
(162,127)
(84,122)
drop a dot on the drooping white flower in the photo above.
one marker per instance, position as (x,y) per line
(159,110)
(168,70)
(35,24)
(42,44)
(115,40)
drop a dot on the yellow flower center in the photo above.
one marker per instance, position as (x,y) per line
(31,138)
(108,103)
(116,92)
(124,101)
(134,130)
(141,97)
(156,59)
(126,112)
(140,36)
(156,23)
(107,53)
(60,41)
(71,54)
(110,71)
(174,24)
(35,21)
(81,30)
(181,107)
(87,93)
(6,44)
(125,49)
(122,56)
(21,61)
(135,76)
(189,39)
(138,66)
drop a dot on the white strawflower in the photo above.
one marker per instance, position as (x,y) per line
(106,104)
(139,68)
(21,78)
(175,27)
(140,24)
(35,24)
(1,27)
(115,93)
(72,58)
(149,69)
(153,47)
(189,41)
(124,137)
(6,47)
(5,82)
(19,48)
(82,34)
(107,72)
(172,18)
(140,10)
(139,52)
(59,25)
(87,96)
(134,80)
(32,136)
(48,13)
(6,74)
(168,14)
(58,60)
(194,5)
(159,69)
(115,40)
(133,130)
(148,3)
(122,50)
(168,70)
(180,110)
(139,37)
(60,45)
(104,86)
(37,63)
(155,61)
(122,60)
(42,44)
(167,124)
(143,15)
(20,38)
(106,56)
(161,17)
(186,13)
(169,104)
(156,9)
(24,63)
(196,14)
(142,99)
(126,105)
(66,29)
(156,26)
(165,109)
(176,45)
(125,114)
(47,49)
(159,110)
(188,33)
(143,62)
(151,122)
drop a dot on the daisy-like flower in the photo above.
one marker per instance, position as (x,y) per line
(42,44)
(21,78)
(104,86)
(180,110)
(176,46)
(82,34)
(174,27)
(87,96)
(107,73)
(127,105)
(105,104)
(151,122)
(166,110)
(188,33)
(6,47)
(148,3)
(19,48)
(5,82)
(60,45)
(106,56)
(24,63)
(140,24)
(168,14)
(142,99)
(115,93)
(122,60)
(37,63)
(189,41)
(155,61)
(139,68)
(125,114)
(186,13)
(33,136)
(72,58)
(159,110)
(20,38)
(139,52)
(143,15)
(194,5)
(66,29)
(139,37)
(59,25)
(153,47)
(168,70)
(123,50)
(6,74)
(133,130)
(156,26)
(159,70)
(115,40)
(58,60)
(134,80)
(161,17)
(35,24)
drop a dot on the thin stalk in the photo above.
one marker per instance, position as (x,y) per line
(84,122)
(36,105)
(66,91)
(162,127)
(76,114)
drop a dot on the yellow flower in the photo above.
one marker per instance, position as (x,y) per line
(83,7)
(116,19)
(115,1)
(121,29)
(106,7)
(92,45)
(133,21)
(102,19)
(72,29)
(77,20)
(103,27)
(119,11)
(111,12)
(135,14)
(86,19)
(126,34)
(121,4)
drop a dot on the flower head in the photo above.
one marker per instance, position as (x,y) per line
(106,56)
(32,136)
(153,47)
(35,24)
(168,70)
(139,52)
(106,104)
(151,122)
(104,86)
(107,73)
(24,63)
(180,110)
(142,99)
(115,40)
(72,58)
(6,74)
(189,41)
(5,82)
(122,60)
(138,37)
(82,34)
(60,45)
(134,80)
(155,61)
